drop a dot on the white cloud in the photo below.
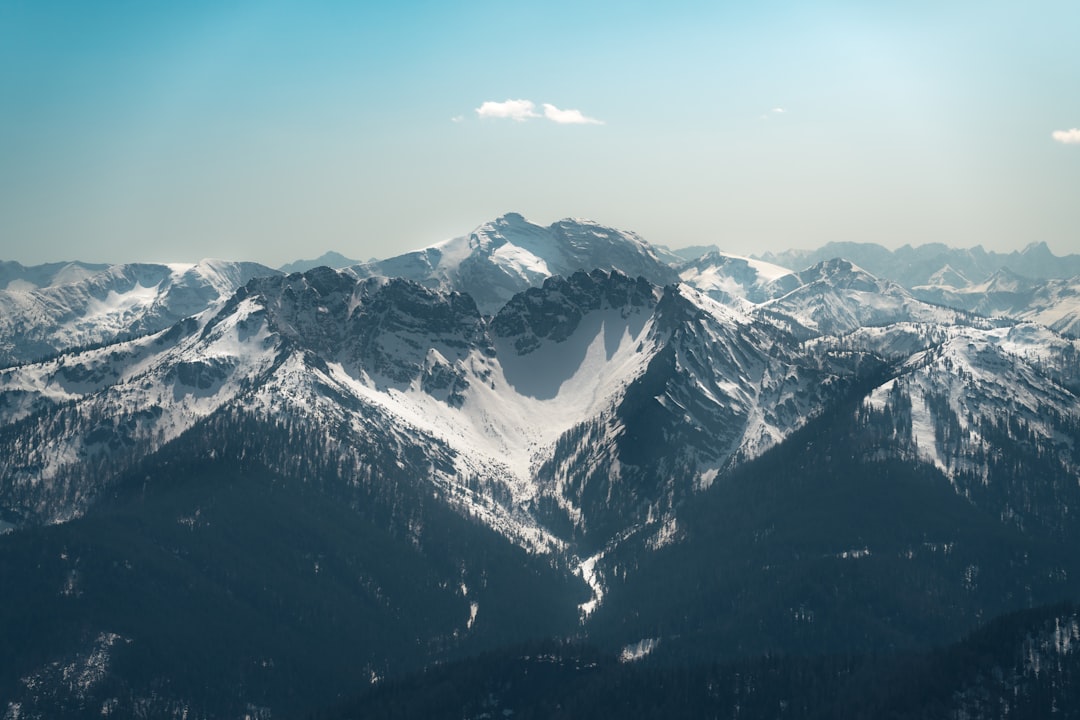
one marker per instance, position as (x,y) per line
(457,118)
(518,110)
(568,117)
(779,110)
(522,110)
(1069,137)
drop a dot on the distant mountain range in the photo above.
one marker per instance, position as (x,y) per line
(935,263)
(529,438)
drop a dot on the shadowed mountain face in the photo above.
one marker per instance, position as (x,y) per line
(331,478)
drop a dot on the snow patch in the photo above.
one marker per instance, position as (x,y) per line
(854,554)
(666,535)
(588,572)
(706,479)
(508,421)
(923,434)
(636,651)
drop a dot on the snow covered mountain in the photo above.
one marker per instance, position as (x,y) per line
(501,258)
(1029,286)
(1054,303)
(584,408)
(726,277)
(836,297)
(551,419)
(496,394)
(487,400)
(15,276)
(328,259)
(592,425)
(932,263)
(78,308)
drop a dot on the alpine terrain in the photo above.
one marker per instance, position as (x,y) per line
(534,470)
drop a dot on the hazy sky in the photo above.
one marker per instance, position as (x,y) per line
(275,130)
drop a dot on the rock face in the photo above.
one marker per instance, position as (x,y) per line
(554,311)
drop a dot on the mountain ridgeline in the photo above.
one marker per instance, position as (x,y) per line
(555,451)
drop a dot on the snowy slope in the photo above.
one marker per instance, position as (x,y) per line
(1054,303)
(836,297)
(17,277)
(726,277)
(1028,286)
(122,300)
(995,410)
(102,408)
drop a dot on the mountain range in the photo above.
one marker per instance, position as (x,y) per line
(80,305)
(924,264)
(523,436)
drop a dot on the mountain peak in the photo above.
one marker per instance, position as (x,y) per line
(840,272)
(512,218)
(1039,249)
(949,277)
(510,254)
(507,222)
(1005,280)
(330,259)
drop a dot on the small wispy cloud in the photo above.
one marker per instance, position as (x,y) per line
(774,111)
(517,110)
(457,118)
(1069,137)
(568,117)
(522,110)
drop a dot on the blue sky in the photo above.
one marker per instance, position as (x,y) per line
(275,130)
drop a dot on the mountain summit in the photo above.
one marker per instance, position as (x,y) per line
(510,254)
